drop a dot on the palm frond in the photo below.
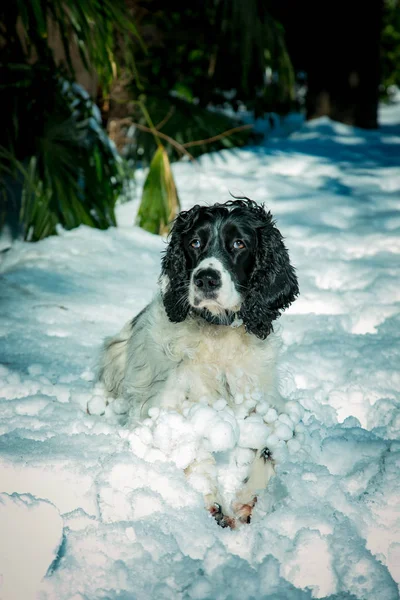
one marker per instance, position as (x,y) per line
(74,175)
(160,202)
(91,25)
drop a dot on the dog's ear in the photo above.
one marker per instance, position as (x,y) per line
(273,284)
(174,279)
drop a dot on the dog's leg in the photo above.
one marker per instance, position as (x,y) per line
(261,472)
(222,520)
(202,475)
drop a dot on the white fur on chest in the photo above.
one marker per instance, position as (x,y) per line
(214,361)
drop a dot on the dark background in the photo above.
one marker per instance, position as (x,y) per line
(193,71)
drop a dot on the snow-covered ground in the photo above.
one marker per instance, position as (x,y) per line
(90,509)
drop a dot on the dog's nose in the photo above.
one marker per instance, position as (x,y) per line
(207,280)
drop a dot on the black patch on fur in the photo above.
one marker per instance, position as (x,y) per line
(273,284)
(174,266)
(266,454)
(225,318)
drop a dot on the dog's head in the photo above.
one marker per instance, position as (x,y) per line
(228,261)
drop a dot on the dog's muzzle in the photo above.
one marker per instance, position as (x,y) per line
(207,282)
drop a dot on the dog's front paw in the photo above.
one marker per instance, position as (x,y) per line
(243,512)
(222,520)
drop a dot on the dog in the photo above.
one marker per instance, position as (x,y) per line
(225,278)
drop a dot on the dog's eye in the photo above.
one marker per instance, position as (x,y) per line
(195,244)
(239,244)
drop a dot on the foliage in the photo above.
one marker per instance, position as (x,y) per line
(57,165)
(90,25)
(160,202)
(204,62)
(203,57)
(213,52)
(184,122)
(390,46)
(70,172)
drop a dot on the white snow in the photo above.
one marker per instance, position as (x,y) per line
(92,509)
(31,533)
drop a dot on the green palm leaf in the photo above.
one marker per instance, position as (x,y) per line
(160,202)
(92,25)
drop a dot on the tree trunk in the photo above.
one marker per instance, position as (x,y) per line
(343,62)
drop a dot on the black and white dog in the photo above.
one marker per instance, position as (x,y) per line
(225,278)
